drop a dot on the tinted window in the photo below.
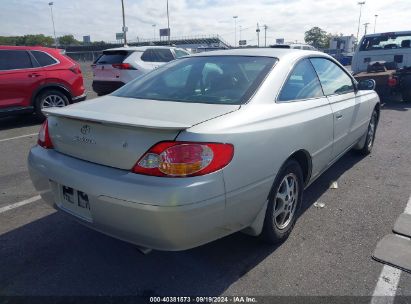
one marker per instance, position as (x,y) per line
(162,55)
(110,57)
(14,60)
(180,53)
(43,59)
(333,79)
(209,79)
(147,56)
(386,41)
(302,83)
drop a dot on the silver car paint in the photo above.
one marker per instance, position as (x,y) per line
(265,133)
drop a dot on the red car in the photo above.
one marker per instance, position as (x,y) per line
(33,78)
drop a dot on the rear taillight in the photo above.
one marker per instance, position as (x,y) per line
(123,66)
(183,159)
(44,136)
(392,81)
(75,69)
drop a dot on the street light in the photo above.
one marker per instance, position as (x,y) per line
(52,20)
(154,31)
(235,30)
(258,35)
(168,24)
(359,19)
(375,22)
(265,35)
(366,27)
(124,24)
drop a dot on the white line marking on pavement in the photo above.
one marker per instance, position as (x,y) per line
(384,292)
(19,204)
(17,137)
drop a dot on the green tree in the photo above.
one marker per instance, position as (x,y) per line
(317,37)
(39,39)
(67,40)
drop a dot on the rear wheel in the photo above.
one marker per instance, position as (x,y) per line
(369,140)
(49,99)
(283,203)
(406,95)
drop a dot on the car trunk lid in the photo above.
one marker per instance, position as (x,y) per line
(117,131)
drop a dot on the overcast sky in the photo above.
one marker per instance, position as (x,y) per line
(287,19)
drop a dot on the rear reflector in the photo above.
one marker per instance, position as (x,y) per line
(183,159)
(123,66)
(44,139)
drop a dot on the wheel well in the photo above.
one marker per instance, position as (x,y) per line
(377,107)
(304,160)
(48,88)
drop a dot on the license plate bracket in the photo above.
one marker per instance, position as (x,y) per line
(75,202)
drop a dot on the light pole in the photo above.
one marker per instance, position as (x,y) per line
(154,31)
(359,19)
(366,27)
(265,35)
(124,24)
(258,35)
(375,22)
(168,24)
(235,30)
(52,20)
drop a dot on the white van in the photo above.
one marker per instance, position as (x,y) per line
(388,47)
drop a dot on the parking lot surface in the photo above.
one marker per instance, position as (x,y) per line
(43,252)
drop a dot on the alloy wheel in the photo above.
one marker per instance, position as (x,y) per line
(285,202)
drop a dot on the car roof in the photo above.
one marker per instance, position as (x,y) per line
(388,33)
(140,48)
(27,48)
(263,52)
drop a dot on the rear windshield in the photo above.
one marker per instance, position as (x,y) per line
(386,42)
(110,57)
(209,79)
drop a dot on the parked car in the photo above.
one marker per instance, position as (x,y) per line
(387,47)
(116,67)
(296,46)
(35,78)
(385,58)
(204,146)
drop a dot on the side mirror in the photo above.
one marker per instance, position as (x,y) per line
(366,84)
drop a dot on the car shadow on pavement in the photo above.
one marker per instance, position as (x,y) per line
(14,122)
(396,105)
(57,256)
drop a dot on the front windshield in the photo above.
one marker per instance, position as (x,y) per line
(208,79)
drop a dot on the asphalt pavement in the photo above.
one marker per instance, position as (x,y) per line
(44,252)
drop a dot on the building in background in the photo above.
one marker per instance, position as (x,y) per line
(346,44)
(86,39)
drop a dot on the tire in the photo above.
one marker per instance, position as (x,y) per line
(406,95)
(48,99)
(284,203)
(371,131)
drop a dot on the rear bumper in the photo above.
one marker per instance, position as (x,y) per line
(158,213)
(79,98)
(105,87)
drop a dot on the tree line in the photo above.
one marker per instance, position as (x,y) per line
(42,40)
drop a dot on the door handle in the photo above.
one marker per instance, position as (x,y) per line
(338,115)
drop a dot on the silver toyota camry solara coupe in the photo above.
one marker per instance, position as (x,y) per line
(204,146)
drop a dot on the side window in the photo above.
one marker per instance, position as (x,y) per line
(302,83)
(333,79)
(14,60)
(43,59)
(162,55)
(180,53)
(147,56)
